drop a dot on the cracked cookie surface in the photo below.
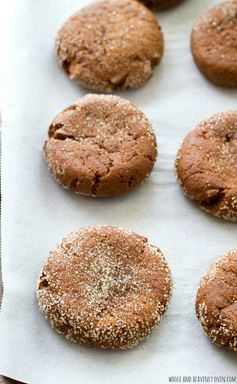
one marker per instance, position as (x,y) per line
(214,44)
(161,4)
(101,146)
(216,302)
(105,287)
(110,45)
(206,165)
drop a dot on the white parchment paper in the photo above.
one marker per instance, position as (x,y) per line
(37,212)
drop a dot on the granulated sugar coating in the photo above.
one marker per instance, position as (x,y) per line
(207,165)
(104,287)
(101,146)
(110,45)
(214,44)
(216,303)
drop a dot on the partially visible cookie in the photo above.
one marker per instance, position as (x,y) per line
(206,165)
(105,287)
(110,45)
(161,4)
(216,303)
(214,44)
(101,146)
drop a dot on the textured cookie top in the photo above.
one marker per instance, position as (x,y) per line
(110,45)
(216,303)
(214,42)
(207,165)
(101,146)
(105,287)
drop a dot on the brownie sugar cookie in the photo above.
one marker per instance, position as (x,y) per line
(207,165)
(216,303)
(104,287)
(101,146)
(161,4)
(214,44)
(110,45)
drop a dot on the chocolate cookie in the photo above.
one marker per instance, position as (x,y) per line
(110,45)
(104,287)
(161,4)
(214,44)
(207,165)
(101,146)
(216,303)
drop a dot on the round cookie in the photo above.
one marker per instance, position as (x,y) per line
(101,146)
(216,303)
(214,44)
(206,165)
(104,287)
(161,4)
(110,45)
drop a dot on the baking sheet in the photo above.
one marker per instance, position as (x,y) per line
(37,212)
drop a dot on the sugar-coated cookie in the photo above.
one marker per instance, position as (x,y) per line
(161,4)
(207,165)
(214,44)
(110,45)
(101,146)
(216,303)
(104,287)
